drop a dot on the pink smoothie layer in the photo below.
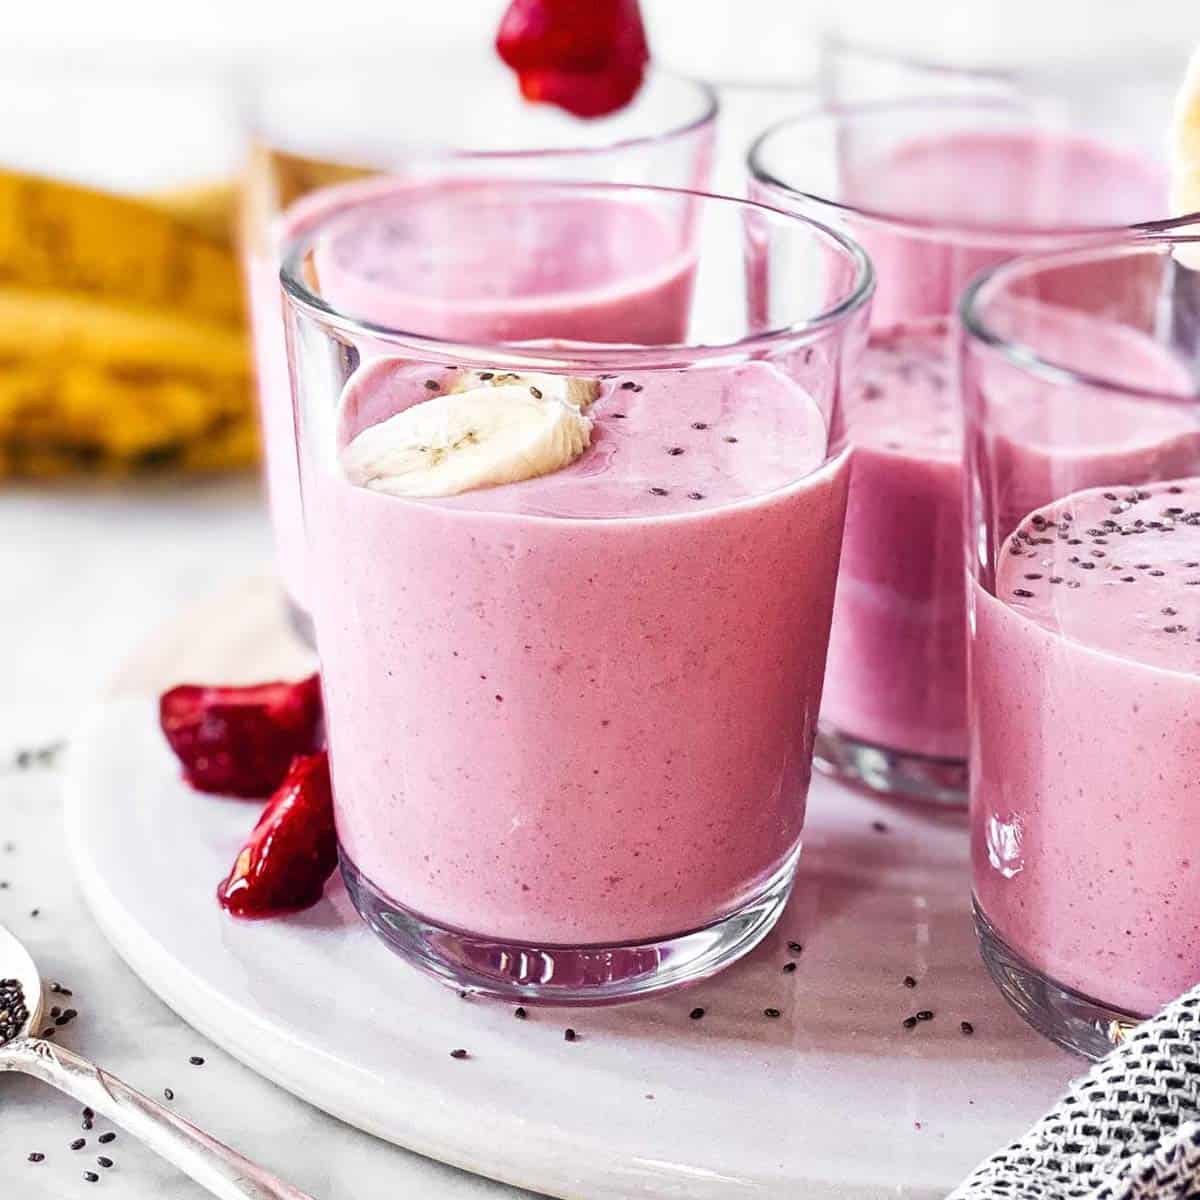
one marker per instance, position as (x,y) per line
(580,709)
(587,269)
(978,197)
(897,674)
(897,652)
(1086,719)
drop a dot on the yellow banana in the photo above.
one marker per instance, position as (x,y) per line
(89,383)
(61,236)
(211,209)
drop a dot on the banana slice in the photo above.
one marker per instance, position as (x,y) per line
(1184,149)
(488,434)
(570,389)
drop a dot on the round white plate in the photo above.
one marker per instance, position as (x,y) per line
(832,1099)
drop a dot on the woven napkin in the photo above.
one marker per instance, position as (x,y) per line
(1127,1130)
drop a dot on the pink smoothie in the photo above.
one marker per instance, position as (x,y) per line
(897,658)
(580,708)
(1085,713)
(589,269)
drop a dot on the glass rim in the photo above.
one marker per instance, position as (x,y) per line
(710,106)
(837,41)
(921,226)
(518,356)
(977,330)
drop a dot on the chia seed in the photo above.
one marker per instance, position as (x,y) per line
(909,1022)
(569,1035)
(104,1161)
(699,424)
(520,1013)
(196,1060)
(789,968)
(696,1014)
(675,450)
(925,1015)
(795,947)
(13,1010)
(909,981)
(459,1053)
(105,1138)
(91,1176)
(37,1157)
(79,1143)
(773,1013)
(658,491)
(168,1094)
(966,1027)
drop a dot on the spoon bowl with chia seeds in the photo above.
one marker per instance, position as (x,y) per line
(223,1171)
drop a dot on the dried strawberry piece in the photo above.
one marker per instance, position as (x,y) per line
(587,56)
(239,741)
(293,849)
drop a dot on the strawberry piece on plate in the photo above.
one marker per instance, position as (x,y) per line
(239,741)
(292,850)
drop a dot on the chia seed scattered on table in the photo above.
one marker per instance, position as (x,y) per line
(13,1010)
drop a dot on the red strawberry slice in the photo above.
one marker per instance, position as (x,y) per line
(239,741)
(293,849)
(587,56)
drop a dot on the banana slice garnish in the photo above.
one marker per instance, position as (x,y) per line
(489,429)
(1184,150)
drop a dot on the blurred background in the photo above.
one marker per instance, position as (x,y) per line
(115,513)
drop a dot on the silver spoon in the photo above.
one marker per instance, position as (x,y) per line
(214,1166)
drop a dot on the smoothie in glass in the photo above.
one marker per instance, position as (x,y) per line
(333,125)
(1086,711)
(574,597)
(932,208)
(1083,554)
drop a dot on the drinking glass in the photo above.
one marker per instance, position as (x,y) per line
(571,677)
(312,130)
(934,190)
(1079,377)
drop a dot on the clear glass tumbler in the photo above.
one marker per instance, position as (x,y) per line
(1082,399)
(574,482)
(935,190)
(314,129)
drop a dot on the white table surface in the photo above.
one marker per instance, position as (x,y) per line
(84,574)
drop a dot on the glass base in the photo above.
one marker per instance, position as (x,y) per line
(527,973)
(1067,1017)
(938,781)
(300,622)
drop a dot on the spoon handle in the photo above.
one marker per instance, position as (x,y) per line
(211,1164)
